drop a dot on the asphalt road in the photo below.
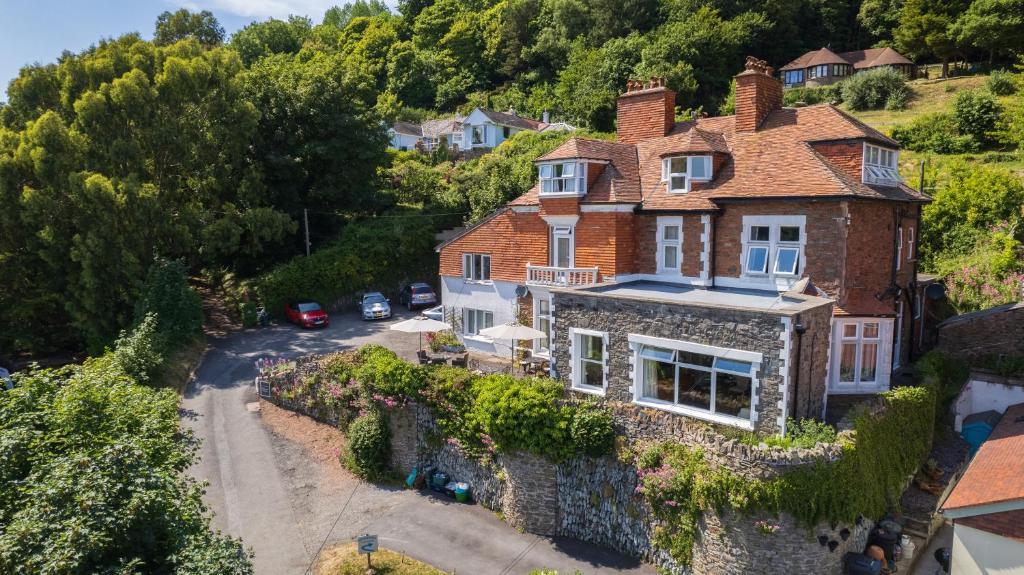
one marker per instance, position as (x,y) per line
(284,505)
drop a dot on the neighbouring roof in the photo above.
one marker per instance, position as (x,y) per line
(779,160)
(1006,307)
(1008,523)
(859,59)
(439,127)
(407,128)
(512,120)
(996,474)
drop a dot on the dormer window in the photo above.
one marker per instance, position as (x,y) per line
(880,166)
(563,178)
(678,172)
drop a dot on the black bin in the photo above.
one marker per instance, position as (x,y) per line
(860,564)
(885,539)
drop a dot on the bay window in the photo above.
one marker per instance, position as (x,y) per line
(880,166)
(678,172)
(476,267)
(568,178)
(670,244)
(474,320)
(590,357)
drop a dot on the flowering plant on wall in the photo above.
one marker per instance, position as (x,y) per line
(766,528)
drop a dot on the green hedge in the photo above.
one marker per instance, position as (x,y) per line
(368,445)
(371,254)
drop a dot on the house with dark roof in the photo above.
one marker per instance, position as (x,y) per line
(987,503)
(823,67)
(428,135)
(738,269)
(486,129)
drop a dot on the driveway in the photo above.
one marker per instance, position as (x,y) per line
(285,503)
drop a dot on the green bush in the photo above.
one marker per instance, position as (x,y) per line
(897,99)
(977,115)
(1000,83)
(368,445)
(137,352)
(937,133)
(872,89)
(523,414)
(178,308)
(387,374)
(591,430)
(807,433)
(809,96)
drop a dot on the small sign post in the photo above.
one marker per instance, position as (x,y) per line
(367,544)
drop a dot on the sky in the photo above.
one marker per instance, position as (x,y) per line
(34,31)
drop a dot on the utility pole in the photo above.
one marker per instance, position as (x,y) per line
(920,181)
(305,219)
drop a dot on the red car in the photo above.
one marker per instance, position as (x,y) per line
(306,314)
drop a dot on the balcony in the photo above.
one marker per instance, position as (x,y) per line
(561,277)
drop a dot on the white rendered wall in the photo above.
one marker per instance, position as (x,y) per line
(977,552)
(979,395)
(497,297)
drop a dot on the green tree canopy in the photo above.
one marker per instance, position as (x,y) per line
(174,26)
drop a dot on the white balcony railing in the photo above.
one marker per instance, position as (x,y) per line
(552,276)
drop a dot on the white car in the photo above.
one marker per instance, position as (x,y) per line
(435,313)
(5,376)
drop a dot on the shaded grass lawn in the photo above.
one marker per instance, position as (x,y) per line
(344,560)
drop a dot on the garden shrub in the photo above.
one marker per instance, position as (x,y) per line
(1000,83)
(523,414)
(936,133)
(897,99)
(591,430)
(137,352)
(810,95)
(368,445)
(871,89)
(387,374)
(977,115)
(178,308)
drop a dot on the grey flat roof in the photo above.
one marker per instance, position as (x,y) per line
(710,297)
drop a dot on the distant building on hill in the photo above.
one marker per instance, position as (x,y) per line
(481,130)
(823,67)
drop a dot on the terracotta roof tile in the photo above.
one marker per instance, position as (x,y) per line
(996,474)
(859,59)
(619,178)
(1007,523)
(825,56)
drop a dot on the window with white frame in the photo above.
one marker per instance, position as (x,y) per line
(773,245)
(880,166)
(474,320)
(695,381)
(563,178)
(678,172)
(590,356)
(562,246)
(542,322)
(899,247)
(476,267)
(670,244)
(479,135)
(859,361)
(910,244)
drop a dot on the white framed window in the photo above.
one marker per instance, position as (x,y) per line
(705,381)
(678,172)
(476,267)
(880,166)
(899,247)
(479,135)
(910,244)
(861,353)
(542,321)
(589,360)
(563,246)
(670,244)
(897,348)
(773,246)
(474,320)
(563,178)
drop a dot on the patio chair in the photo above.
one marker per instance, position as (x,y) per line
(422,356)
(462,361)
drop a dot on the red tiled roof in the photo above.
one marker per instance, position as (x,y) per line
(1007,523)
(859,59)
(996,474)
(776,161)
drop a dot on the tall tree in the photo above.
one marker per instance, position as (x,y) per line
(181,24)
(996,26)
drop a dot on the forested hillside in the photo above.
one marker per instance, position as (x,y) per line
(206,149)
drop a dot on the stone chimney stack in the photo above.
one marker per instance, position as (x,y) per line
(758,93)
(647,110)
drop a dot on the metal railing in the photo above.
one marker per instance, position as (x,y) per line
(555,276)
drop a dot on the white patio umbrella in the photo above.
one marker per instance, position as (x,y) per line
(513,331)
(421,325)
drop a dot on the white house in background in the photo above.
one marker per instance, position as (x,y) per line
(485,128)
(987,504)
(446,131)
(404,136)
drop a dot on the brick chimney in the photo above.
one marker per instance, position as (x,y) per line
(757,94)
(647,110)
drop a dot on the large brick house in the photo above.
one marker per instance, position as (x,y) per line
(736,269)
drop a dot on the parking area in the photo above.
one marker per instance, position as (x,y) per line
(268,486)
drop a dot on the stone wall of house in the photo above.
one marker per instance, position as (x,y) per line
(991,332)
(724,327)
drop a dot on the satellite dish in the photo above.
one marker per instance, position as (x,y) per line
(935,291)
(521,291)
